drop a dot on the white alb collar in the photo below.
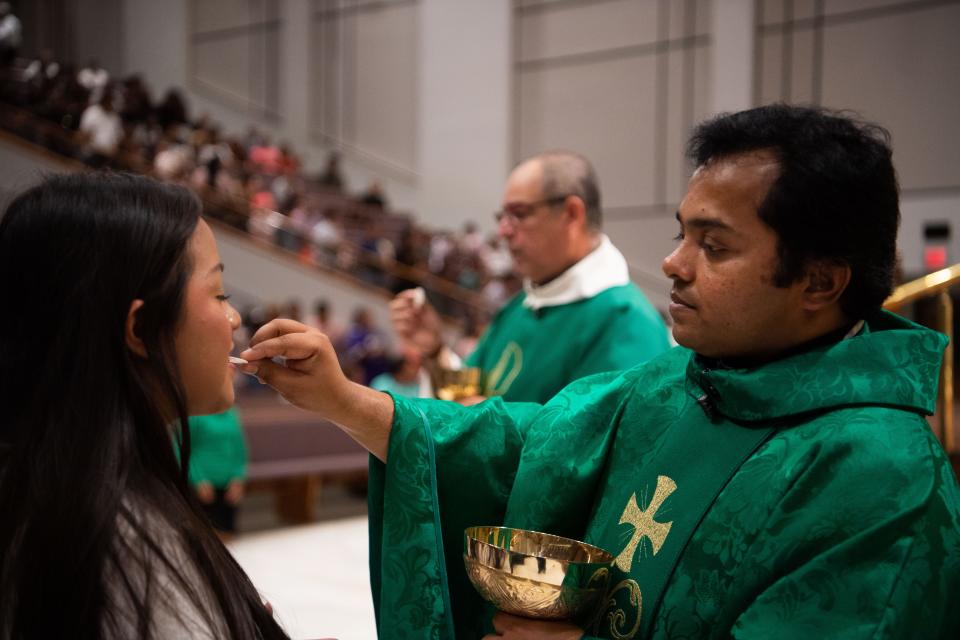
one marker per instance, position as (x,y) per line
(601,269)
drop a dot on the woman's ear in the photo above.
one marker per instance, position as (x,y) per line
(134,343)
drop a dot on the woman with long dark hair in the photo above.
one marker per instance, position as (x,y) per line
(115,327)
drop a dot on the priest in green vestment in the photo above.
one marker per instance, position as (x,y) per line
(578,313)
(772,477)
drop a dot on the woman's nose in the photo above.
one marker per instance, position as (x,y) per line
(233,317)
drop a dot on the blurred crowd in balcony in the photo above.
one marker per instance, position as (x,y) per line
(253,183)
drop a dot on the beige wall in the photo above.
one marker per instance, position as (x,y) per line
(464,110)
(160,42)
(425,110)
(364,83)
(620,80)
(894,62)
(623,81)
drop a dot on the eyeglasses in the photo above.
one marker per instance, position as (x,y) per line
(517,212)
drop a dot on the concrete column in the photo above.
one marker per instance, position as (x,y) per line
(733,35)
(155,42)
(295,80)
(98,33)
(464,125)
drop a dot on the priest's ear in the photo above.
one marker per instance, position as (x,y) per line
(134,343)
(826,280)
(575,210)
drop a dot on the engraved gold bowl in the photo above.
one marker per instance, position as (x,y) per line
(455,384)
(537,575)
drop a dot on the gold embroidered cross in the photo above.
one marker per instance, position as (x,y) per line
(644,524)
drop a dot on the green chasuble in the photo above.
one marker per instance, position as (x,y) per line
(806,498)
(530,355)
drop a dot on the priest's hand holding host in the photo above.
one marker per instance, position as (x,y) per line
(310,377)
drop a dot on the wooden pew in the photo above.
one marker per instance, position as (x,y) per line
(293,453)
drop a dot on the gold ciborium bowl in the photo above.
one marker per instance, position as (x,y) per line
(537,575)
(455,384)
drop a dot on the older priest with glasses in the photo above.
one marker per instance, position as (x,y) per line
(771,477)
(578,313)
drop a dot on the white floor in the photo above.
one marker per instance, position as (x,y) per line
(315,576)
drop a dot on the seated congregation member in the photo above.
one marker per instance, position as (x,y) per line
(405,376)
(123,332)
(578,313)
(773,477)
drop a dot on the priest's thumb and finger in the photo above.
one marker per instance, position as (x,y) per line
(300,362)
(509,627)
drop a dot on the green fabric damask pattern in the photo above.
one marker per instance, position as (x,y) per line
(842,539)
(416,591)
(410,496)
(810,381)
(846,523)
(529,356)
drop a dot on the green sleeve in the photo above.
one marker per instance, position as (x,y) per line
(449,467)
(875,558)
(625,338)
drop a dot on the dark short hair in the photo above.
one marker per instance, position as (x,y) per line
(566,173)
(836,197)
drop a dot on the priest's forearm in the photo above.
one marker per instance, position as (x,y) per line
(366,415)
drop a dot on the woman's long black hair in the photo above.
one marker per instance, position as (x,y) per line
(85,424)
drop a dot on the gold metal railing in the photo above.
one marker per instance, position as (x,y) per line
(936,285)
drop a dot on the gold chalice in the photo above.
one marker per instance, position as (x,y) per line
(456,384)
(537,575)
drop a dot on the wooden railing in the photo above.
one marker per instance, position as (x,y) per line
(936,285)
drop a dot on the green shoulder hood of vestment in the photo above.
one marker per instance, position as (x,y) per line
(892,362)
